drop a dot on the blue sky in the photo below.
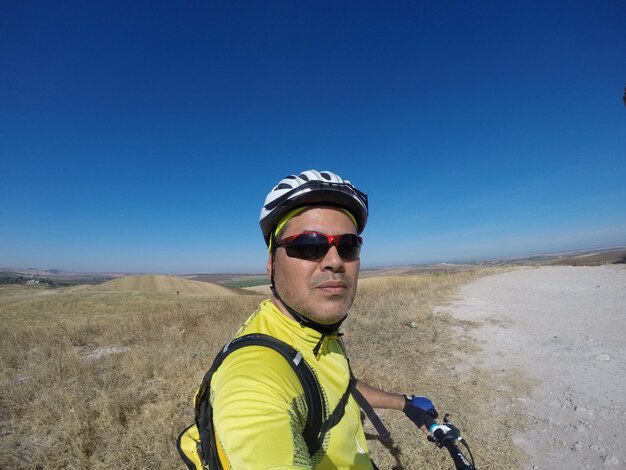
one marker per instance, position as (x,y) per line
(144,136)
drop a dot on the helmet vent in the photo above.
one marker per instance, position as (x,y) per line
(316,188)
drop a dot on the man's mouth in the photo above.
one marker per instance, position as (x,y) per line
(333,287)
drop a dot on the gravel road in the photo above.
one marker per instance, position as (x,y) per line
(566,328)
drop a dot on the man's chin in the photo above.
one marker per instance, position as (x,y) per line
(331,316)
(325,309)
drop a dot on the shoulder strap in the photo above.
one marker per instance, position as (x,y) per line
(204,410)
(381,429)
(339,410)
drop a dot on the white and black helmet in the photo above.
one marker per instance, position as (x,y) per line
(312,187)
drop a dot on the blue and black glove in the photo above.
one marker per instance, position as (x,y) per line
(421,411)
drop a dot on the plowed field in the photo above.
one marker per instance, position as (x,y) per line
(156,284)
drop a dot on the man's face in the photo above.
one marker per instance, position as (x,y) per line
(321,290)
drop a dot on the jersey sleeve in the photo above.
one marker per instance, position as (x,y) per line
(260,411)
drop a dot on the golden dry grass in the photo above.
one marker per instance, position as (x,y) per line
(105,379)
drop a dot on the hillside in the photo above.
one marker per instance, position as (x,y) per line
(157,284)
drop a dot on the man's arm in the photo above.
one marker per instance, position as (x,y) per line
(381,399)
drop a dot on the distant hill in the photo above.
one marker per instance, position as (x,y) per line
(26,272)
(53,277)
(597,257)
(157,284)
(230,280)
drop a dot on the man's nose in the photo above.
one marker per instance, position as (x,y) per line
(332,261)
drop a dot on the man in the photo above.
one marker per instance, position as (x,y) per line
(311,223)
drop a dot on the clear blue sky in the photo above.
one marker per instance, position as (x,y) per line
(144,136)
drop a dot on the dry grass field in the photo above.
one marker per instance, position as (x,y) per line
(105,378)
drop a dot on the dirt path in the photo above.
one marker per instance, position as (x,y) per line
(565,327)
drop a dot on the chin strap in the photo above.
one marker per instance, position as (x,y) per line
(325,330)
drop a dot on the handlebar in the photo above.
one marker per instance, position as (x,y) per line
(450,439)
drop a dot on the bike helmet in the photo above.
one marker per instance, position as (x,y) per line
(312,187)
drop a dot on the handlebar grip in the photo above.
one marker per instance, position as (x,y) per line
(460,462)
(429,421)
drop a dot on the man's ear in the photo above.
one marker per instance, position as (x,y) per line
(269,264)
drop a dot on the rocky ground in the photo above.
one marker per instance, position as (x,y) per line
(566,328)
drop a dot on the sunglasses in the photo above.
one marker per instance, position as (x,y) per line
(313,245)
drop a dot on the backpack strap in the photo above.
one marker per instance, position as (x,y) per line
(339,410)
(381,429)
(204,411)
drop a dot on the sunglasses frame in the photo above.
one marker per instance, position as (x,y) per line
(331,240)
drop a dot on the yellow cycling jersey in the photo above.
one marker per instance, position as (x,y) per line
(260,409)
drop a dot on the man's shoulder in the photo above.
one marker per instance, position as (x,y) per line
(266,321)
(256,356)
(256,368)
